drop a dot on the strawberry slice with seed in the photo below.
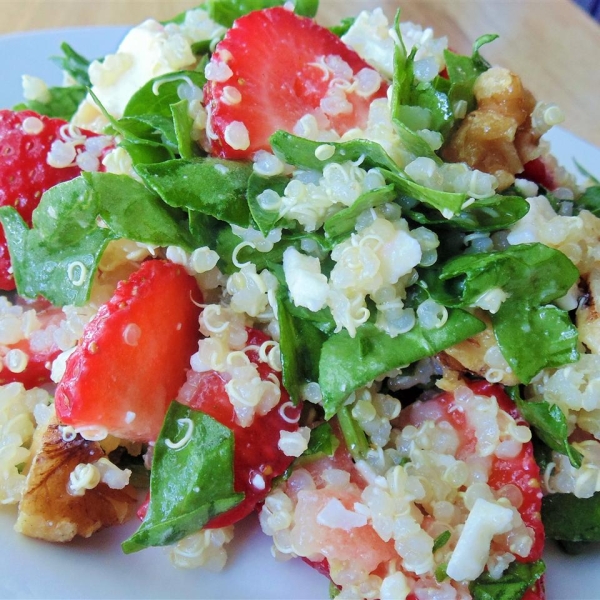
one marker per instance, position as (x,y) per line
(134,354)
(273,68)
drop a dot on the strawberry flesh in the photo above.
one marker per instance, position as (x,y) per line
(133,356)
(277,62)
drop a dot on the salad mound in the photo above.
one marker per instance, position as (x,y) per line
(330,275)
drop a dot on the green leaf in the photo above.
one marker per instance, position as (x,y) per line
(212,186)
(62,104)
(63,275)
(343,26)
(347,363)
(182,123)
(341,224)
(132,211)
(481,63)
(489,214)
(354,436)
(593,178)
(300,345)
(322,442)
(549,423)
(74,64)
(590,200)
(573,519)
(519,327)
(146,102)
(203,487)
(440,573)
(441,540)
(225,12)
(512,585)
(257,184)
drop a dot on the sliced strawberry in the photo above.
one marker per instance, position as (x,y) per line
(24,170)
(133,355)
(257,457)
(37,351)
(279,64)
(540,171)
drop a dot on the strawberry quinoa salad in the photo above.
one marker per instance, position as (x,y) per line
(332,276)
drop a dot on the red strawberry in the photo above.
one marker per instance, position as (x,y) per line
(133,355)
(278,63)
(39,348)
(257,457)
(24,171)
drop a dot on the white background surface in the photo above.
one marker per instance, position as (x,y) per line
(96,568)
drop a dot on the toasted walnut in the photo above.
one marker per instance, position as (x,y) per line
(498,137)
(47,511)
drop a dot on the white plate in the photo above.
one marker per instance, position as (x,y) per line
(96,568)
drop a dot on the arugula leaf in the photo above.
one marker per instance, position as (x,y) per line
(74,64)
(322,442)
(549,423)
(464,70)
(347,364)
(62,104)
(300,344)
(203,487)
(532,275)
(225,12)
(440,541)
(573,519)
(212,186)
(489,214)
(63,275)
(354,436)
(341,224)
(401,92)
(257,184)
(590,200)
(513,584)
(182,124)
(146,102)
(343,26)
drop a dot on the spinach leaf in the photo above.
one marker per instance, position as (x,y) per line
(586,173)
(203,487)
(322,442)
(401,91)
(182,125)
(573,519)
(347,364)
(341,224)
(549,423)
(74,64)
(212,186)
(354,436)
(225,12)
(205,229)
(300,344)
(257,184)
(146,102)
(489,214)
(62,104)
(532,275)
(343,26)
(513,584)
(62,275)
(590,200)
(154,129)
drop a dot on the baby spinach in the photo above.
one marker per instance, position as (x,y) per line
(512,585)
(203,487)
(354,437)
(212,186)
(322,442)
(182,125)
(590,200)
(343,26)
(573,519)
(549,423)
(257,184)
(347,363)
(225,12)
(74,64)
(62,104)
